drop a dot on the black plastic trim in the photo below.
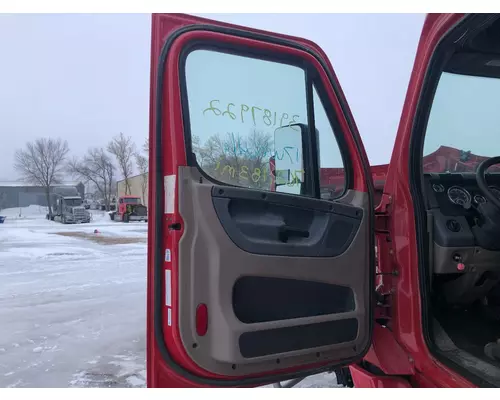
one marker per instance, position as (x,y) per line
(285,199)
(158,213)
(311,233)
(314,147)
(441,54)
(323,96)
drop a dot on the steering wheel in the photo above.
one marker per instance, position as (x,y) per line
(481,180)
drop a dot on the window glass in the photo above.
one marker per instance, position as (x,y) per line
(132,200)
(236,104)
(248,120)
(463,125)
(332,172)
(73,202)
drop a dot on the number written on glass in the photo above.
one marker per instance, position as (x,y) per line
(245,113)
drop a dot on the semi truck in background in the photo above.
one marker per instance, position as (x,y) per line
(67,206)
(130,208)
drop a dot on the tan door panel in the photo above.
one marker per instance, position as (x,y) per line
(265,311)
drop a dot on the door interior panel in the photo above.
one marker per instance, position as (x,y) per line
(271,224)
(267,308)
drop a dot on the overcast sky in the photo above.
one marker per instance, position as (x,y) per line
(85,78)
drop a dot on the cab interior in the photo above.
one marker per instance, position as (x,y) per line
(457,186)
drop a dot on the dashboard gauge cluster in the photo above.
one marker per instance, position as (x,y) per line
(462,197)
(459,196)
(479,199)
(438,188)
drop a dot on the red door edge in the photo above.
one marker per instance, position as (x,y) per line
(408,324)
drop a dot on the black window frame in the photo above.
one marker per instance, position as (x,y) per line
(339,139)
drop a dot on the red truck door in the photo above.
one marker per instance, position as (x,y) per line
(248,286)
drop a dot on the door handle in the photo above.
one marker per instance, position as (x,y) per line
(285,232)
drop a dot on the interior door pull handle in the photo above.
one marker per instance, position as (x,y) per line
(285,232)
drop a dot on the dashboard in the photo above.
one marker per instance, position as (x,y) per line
(458,194)
(463,241)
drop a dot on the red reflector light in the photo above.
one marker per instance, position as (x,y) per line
(201,319)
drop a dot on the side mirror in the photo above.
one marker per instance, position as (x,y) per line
(289,161)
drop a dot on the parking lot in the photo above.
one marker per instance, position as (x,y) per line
(73,303)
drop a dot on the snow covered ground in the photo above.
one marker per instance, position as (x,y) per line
(73,303)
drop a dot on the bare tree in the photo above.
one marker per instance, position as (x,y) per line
(123,149)
(41,163)
(236,159)
(198,150)
(96,167)
(142,166)
(145,152)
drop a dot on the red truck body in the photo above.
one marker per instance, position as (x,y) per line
(130,208)
(445,159)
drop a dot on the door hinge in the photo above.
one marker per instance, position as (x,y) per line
(382,214)
(386,271)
